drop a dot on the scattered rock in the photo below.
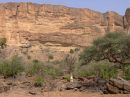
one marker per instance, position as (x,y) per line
(32,92)
(113,90)
(4,88)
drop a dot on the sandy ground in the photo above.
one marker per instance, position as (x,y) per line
(61,94)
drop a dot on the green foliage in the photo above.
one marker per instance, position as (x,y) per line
(51,71)
(38,68)
(71,51)
(113,47)
(3,42)
(35,68)
(77,49)
(85,73)
(103,70)
(67,78)
(39,81)
(127,73)
(10,68)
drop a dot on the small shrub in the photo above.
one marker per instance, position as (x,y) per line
(11,68)
(67,78)
(39,81)
(51,71)
(127,73)
(84,73)
(3,42)
(56,62)
(77,49)
(71,51)
(35,68)
(105,71)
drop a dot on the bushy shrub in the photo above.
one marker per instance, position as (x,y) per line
(84,73)
(3,42)
(71,51)
(38,68)
(51,71)
(99,69)
(67,78)
(35,68)
(105,71)
(10,68)
(39,81)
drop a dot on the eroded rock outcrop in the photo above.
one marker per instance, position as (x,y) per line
(41,26)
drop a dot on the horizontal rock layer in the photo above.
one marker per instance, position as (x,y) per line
(28,25)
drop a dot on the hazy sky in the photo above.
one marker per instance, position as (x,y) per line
(99,5)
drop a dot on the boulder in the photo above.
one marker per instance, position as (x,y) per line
(74,85)
(127,86)
(113,90)
(118,86)
(117,83)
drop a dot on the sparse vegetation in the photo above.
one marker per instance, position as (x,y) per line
(71,51)
(35,68)
(110,47)
(84,73)
(51,71)
(113,47)
(127,73)
(3,42)
(38,68)
(70,64)
(39,81)
(10,68)
(104,70)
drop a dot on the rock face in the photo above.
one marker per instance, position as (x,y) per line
(36,28)
(116,86)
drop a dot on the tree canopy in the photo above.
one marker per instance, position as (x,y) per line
(114,47)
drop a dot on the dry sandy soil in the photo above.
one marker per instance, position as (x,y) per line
(61,94)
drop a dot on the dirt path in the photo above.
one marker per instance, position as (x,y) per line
(62,94)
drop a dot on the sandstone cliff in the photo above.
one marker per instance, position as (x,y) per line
(37,28)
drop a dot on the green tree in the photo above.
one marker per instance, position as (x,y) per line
(114,47)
